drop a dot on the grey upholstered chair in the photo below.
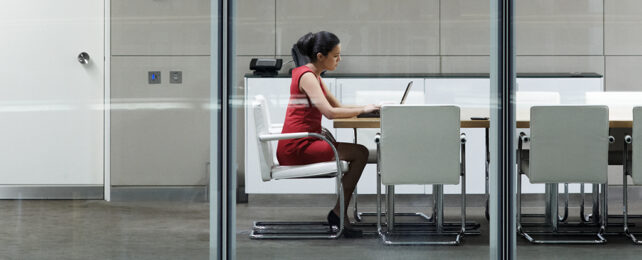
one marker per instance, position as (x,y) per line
(271,170)
(568,144)
(420,144)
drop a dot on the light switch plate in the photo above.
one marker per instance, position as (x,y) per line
(176,77)
(154,77)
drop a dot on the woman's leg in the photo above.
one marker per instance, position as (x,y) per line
(357,157)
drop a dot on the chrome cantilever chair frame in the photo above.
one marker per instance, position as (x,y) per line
(439,228)
(523,139)
(552,204)
(358,220)
(299,230)
(628,140)
(292,230)
(414,175)
(634,171)
(471,226)
(554,218)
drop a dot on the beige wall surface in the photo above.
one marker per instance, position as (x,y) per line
(160,132)
(378,36)
(450,36)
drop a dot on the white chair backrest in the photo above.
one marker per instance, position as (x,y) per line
(569,144)
(420,144)
(262,125)
(636,174)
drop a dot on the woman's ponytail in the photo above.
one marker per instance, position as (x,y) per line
(312,43)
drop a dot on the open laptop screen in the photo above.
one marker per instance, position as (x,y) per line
(405,94)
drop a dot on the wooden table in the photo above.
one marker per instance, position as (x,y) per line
(466,123)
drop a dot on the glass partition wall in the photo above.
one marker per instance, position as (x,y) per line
(104,129)
(441,47)
(590,53)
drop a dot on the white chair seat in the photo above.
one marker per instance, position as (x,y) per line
(324,169)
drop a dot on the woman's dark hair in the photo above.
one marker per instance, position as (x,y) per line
(312,43)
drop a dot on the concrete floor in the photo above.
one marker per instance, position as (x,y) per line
(78,229)
(314,208)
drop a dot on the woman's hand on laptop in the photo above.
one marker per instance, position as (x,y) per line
(369,108)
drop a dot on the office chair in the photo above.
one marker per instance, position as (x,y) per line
(568,144)
(524,100)
(271,170)
(632,167)
(420,144)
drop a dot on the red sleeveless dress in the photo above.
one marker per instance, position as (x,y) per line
(302,116)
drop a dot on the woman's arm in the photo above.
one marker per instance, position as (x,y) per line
(334,102)
(310,85)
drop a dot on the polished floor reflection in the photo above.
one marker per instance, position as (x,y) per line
(314,208)
(81,229)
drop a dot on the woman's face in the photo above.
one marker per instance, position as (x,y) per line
(330,61)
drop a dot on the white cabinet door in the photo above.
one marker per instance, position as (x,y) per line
(571,90)
(277,93)
(374,91)
(51,106)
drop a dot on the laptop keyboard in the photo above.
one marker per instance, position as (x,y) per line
(371,114)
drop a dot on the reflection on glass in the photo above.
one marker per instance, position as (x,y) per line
(383,47)
(98,158)
(587,52)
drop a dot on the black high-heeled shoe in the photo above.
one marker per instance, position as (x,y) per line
(348,232)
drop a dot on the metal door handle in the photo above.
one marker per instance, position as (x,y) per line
(83,58)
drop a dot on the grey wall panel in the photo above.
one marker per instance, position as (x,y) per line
(623,73)
(151,27)
(623,27)
(255,27)
(374,27)
(159,133)
(465,64)
(554,64)
(389,64)
(559,27)
(465,27)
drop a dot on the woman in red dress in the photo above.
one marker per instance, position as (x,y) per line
(309,99)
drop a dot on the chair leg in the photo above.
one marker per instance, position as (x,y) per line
(355,211)
(583,217)
(600,233)
(390,229)
(565,216)
(439,229)
(301,230)
(595,216)
(358,220)
(625,199)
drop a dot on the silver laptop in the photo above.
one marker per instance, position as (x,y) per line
(376,114)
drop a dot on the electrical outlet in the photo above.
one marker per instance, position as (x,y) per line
(154,77)
(176,77)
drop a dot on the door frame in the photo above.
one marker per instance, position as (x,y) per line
(107,100)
